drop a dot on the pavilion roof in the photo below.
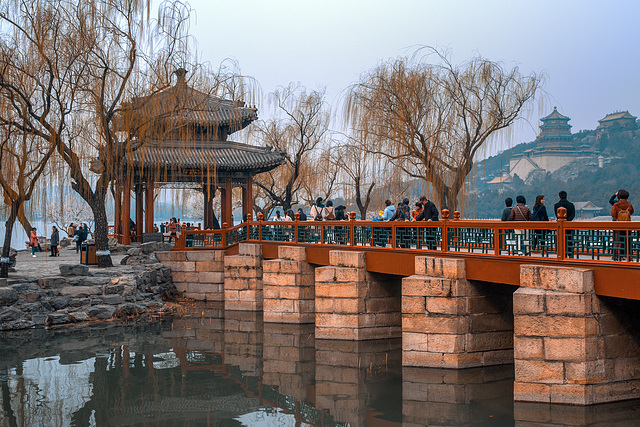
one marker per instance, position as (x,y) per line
(617,115)
(222,155)
(187,105)
(555,115)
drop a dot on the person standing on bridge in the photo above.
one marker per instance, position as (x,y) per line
(521,212)
(508,202)
(569,235)
(429,210)
(539,214)
(621,211)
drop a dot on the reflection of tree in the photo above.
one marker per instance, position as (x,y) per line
(6,397)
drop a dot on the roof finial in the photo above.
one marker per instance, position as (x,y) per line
(181,74)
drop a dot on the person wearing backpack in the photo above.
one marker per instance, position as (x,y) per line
(329,213)
(316,210)
(621,211)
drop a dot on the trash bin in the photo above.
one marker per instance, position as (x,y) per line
(88,254)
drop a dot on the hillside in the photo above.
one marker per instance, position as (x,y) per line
(583,180)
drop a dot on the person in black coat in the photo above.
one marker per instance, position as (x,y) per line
(564,203)
(303,216)
(506,213)
(429,210)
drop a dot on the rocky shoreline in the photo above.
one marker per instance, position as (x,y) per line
(77,294)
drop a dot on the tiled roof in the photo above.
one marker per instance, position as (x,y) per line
(555,116)
(188,105)
(616,116)
(222,155)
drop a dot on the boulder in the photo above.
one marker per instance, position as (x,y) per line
(60,302)
(112,299)
(74,270)
(55,282)
(8,296)
(65,242)
(101,311)
(80,291)
(129,309)
(10,314)
(39,319)
(134,251)
(57,318)
(78,316)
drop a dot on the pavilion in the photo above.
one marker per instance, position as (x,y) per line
(180,138)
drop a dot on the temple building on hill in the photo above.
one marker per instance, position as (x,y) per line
(620,120)
(555,148)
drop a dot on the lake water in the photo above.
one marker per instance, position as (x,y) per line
(217,368)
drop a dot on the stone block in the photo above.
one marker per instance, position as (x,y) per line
(446,305)
(413,305)
(538,371)
(8,296)
(101,311)
(568,303)
(250,249)
(557,326)
(576,280)
(445,343)
(426,286)
(295,253)
(570,349)
(184,266)
(211,277)
(450,268)
(241,261)
(175,256)
(531,392)
(529,301)
(528,348)
(205,266)
(74,270)
(80,291)
(55,282)
(206,256)
(347,259)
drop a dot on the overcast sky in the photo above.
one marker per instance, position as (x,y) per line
(587,49)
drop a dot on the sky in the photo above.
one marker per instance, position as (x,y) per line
(587,50)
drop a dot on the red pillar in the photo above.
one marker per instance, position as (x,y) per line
(247,197)
(148,205)
(209,192)
(228,202)
(139,211)
(126,213)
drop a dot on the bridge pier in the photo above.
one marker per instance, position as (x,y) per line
(450,322)
(354,304)
(197,274)
(288,287)
(243,279)
(572,346)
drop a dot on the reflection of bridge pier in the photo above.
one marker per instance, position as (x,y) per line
(433,396)
(201,333)
(354,375)
(288,359)
(243,337)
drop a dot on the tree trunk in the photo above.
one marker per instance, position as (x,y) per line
(101,231)
(4,267)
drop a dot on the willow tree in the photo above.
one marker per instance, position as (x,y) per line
(430,120)
(23,160)
(67,67)
(360,168)
(299,129)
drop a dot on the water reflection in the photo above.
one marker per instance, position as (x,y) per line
(228,368)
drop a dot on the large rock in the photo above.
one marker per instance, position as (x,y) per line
(55,282)
(65,242)
(134,251)
(57,318)
(129,309)
(10,314)
(101,311)
(80,291)
(78,316)
(8,296)
(60,302)
(74,270)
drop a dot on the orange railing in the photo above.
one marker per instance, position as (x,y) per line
(559,240)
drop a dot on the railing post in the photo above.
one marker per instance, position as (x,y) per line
(496,240)
(445,230)
(393,234)
(249,220)
(296,223)
(352,228)
(225,230)
(560,234)
(260,217)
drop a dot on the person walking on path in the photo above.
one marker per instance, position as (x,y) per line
(55,240)
(71,230)
(506,212)
(620,211)
(80,236)
(564,203)
(33,242)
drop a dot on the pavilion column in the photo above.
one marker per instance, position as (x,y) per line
(139,208)
(227,202)
(209,191)
(117,217)
(126,212)
(247,198)
(148,205)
